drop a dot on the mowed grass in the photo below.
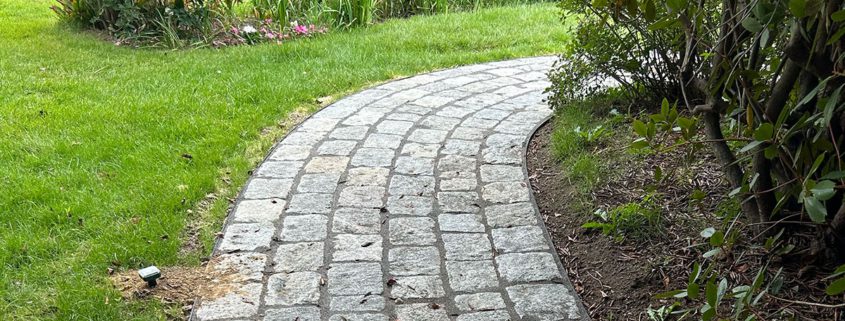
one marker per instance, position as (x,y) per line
(94,138)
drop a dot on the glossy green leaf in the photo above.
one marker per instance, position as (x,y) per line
(717,239)
(824,190)
(815,209)
(751,24)
(836,288)
(640,128)
(764,132)
(838,16)
(797,7)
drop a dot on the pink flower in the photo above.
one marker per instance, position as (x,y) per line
(300,29)
(235,30)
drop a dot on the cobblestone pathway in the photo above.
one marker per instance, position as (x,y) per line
(407,201)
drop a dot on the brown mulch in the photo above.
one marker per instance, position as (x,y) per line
(617,280)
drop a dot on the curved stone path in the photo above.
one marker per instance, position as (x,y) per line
(408,201)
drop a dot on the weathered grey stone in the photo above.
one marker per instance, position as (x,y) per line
(408,117)
(247,237)
(513,127)
(357,303)
(509,215)
(460,223)
(467,246)
(299,257)
(502,155)
(412,185)
(239,267)
(410,205)
(353,132)
(291,152)
(337,147)
(504,140)
(394,127)
(454,166)
(302,138)
(489,113)
(544,301)
(318,124)
(318,183)
(433,101)
(356,221)
(421,150)
(480,123)
(454,111)
(355,279)
(427,136)
(367,176)
(519,239)
(327,164)
(304,228)
(458,184)
(284,169)
(461,147)
(458,202)
(373,157)
(241,301)
(268,188)
(505,192)
(412,231)
(411,94)
(468,133)
(309,313)
(377,140)
(527,267)
(258,211)
(480,301)
(499,315)
(363,118)
(421,312)
(310,203)
(414,165)
(501,173)
(471,276)
(362,196)
(439,122)
(417,287)
(505,71)
(414,261)
(358,317)
(356,247)
(293,288)
(414,109)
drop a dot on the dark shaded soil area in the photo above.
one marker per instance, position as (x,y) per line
(617,279)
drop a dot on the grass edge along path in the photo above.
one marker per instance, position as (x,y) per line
(106,149)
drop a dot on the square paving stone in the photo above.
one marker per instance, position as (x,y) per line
(291,152)
(501,173)
(481,123)
(359,317)
(367,176)
(310,203)
(394,127)
(247,237)
(268,188)
(439,122)
(505,192)
(414,109)
(471,276)
(356,303)
(454,166)
(410,205)
(355,279)
(304,228)
(458,184)
(309,313)
(318,183)
(468,133)
(421,150)
(528,267)
(377,140)
(284,169)
(373,157)
(460,223)
(461,147)
(417,287)
(414,165)
(465,247)
(499,315)
(544,302)
(258,211)
(298,257)
(356,221)
(509,215)
(302,138)
(428,136)
(406,261)
(519,239)
(412,231)
(480,301)
(240,301)
(489,113)
(433,101)
(412,185)
(361,196)
(337,147)
(356,247)
(410,94)
(408,117)
(363,118)
(513,127)
(352,132)
(293,288)
(454,112)
(421,312)
(318,124)
(502,155)
(247,266)
(458,202)
(505,140)
(327,164)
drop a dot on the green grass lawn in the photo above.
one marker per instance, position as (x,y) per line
(92,137)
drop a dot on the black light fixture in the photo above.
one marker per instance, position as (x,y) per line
(150,274)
